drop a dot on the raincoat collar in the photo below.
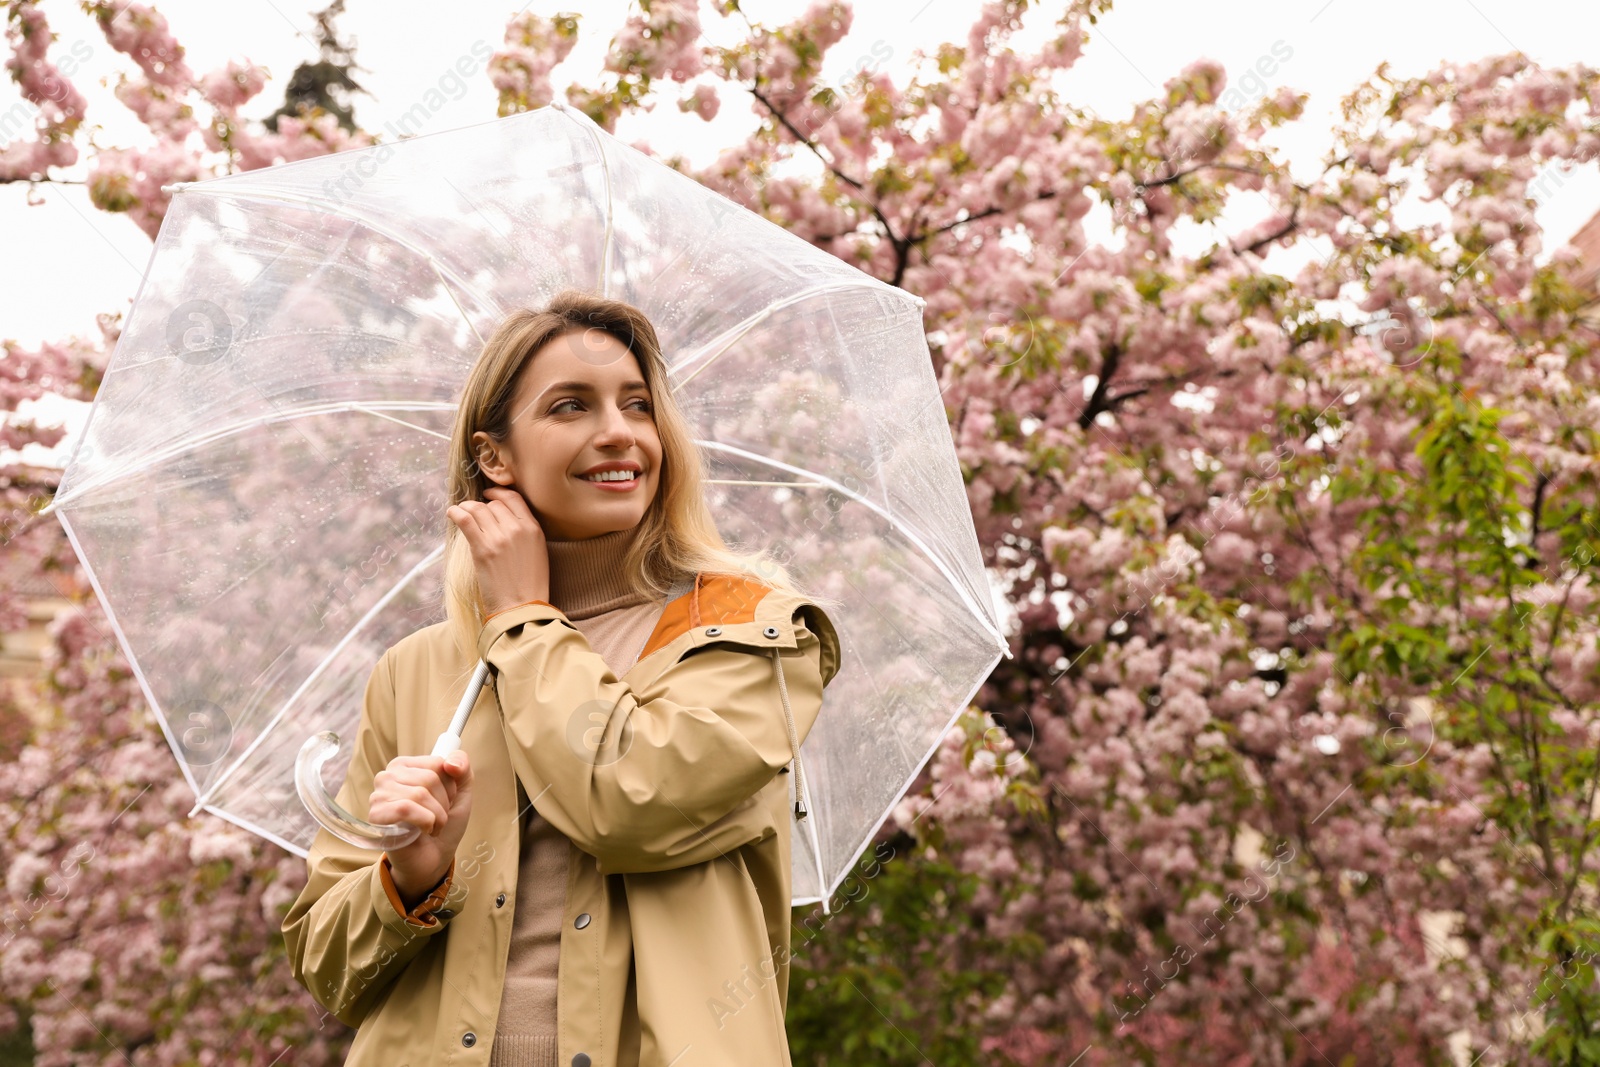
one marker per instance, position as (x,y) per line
(587,577)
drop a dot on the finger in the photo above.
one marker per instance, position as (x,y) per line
(452,788)
(459,768)
(465,519)
(413,814)
(436,813)
(414,765)
(510,509)
(494,519)
(424,778)
(512,516)
(516,504)
(404,803)
(430,763)
(378,812)
(447,774)
(398,809)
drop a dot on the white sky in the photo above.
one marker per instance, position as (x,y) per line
(64,261)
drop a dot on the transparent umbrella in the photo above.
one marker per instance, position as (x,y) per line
(258,491)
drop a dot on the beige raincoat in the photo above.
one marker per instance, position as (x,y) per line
(672,785)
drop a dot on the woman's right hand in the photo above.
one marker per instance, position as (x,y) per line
(434,794)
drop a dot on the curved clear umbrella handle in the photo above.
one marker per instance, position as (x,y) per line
(319,748)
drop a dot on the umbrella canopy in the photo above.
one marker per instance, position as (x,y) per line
(258,495)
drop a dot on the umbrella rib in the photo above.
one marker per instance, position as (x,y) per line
(725,340)
(741,481)
(816,847)
(307,411)
(383,601)
(344,211)
(402,422)
(888,810)
(245,824)
(888,516)
(452,293)
(605,173)
(127,650)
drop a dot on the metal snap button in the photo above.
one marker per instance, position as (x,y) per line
(500,901)
(712,631)
(581,921)
(771,631)
(444,913)
(469,1039)
(581,1060)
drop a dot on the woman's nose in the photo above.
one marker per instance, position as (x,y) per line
(615,428)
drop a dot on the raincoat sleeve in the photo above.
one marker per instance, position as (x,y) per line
(347,936)
(664,783)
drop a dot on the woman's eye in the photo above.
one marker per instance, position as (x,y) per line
(645,405)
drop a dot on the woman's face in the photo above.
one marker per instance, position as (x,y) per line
(581,403)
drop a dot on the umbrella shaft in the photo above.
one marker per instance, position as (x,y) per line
(450,740)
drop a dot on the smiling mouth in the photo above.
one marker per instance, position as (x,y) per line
(613,478)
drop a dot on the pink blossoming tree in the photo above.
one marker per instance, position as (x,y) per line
(1296,761)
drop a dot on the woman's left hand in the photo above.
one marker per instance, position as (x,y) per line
(508,547)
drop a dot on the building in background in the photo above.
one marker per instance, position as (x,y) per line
(1587,242)
(44,595)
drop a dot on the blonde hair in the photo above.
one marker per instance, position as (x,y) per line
(677,536)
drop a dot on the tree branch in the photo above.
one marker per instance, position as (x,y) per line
(1097,400)
(899,244)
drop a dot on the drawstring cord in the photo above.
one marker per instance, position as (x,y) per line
(794,741)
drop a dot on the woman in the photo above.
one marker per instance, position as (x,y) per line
(603,876)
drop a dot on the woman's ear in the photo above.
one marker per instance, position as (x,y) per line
(487,455)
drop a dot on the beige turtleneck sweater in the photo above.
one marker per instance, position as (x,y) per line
(587,583)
